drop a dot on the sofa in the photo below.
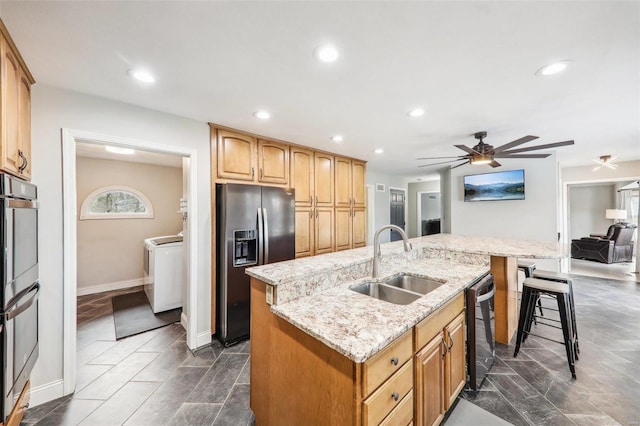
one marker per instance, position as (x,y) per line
(615,246)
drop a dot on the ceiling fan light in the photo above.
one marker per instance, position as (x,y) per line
(481,159)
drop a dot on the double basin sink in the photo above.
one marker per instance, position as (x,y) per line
(400,289)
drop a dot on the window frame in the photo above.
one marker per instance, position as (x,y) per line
(86,214)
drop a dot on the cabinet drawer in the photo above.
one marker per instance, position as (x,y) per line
(381,402)
(402,414)
(386,362)
(426,329)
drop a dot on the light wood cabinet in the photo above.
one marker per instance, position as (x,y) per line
(324,230)
(344,184)
(358,176)
(323,180)
(305,232)
(15,109)
(359,227)
(343,228)
(236,156)
(440,364)
(302,176)
(273,162)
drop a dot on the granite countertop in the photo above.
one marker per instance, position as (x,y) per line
(358,326)
(275,274)
(313,293)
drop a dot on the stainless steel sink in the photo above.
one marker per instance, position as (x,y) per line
(386,293)
(413,283)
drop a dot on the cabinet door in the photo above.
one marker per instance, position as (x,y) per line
(10,109)
(305,221)
(24,127)
(236,156)
(324,230)
(429,390)
(343,228)
(359,227)
(302,176)
(456,374)
(358,183)
(323,180)
(273,162)
(343,182)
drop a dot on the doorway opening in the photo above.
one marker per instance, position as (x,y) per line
(429,213)
(185,211)
(397,198)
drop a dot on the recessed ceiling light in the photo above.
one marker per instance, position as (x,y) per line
(262,115)
(141,75)
(417,112)
(119,150)
(337,138)
(378,151)
(553,68)
(327,53)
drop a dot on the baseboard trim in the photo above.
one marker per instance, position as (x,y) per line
(45,393)
(203,338)
(118,285)
(184,321)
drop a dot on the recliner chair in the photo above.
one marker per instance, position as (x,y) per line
(616,246)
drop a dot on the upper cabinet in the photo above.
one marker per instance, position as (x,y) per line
(15,106)
(324,180)
(273,162)
(302,176)
(243,157)
(236,156)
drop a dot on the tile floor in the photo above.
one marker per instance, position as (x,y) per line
(154,379)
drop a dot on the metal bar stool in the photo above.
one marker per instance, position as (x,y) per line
(529,270)
(566,279)
(531,291)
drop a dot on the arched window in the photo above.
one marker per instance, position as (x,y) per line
(116,202)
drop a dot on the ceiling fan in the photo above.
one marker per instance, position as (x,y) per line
(484,153)
(605,161)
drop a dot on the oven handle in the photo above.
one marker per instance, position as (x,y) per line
(13,203)
(486,296)
(26,305)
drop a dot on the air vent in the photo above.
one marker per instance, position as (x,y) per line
(380,187)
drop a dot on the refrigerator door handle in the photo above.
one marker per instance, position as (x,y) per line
(266,235)
(260,238)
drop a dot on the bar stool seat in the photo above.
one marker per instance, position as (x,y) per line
(565,279)
(531,291)
(527,267)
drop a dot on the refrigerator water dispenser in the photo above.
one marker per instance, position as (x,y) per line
(245,244)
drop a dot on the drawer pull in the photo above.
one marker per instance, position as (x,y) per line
(395,396)
(394,360)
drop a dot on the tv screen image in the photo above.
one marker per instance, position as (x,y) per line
(507,185)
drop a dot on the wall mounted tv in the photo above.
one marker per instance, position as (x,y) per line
(496,186)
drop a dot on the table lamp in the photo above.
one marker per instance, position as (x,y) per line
(615,214)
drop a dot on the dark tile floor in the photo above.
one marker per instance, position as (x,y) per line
(536,387)
(153,379)
(148,379)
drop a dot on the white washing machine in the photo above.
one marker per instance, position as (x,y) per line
(164,272)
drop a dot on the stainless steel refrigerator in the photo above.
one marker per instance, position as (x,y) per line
(255,225)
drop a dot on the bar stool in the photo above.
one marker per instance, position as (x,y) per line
(531,291)
(529,268)
(566,279)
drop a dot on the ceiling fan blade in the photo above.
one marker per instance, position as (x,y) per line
(517,142)
(507,155)
(597,167)
(461,164)
(438,158)
(612,166)
(533,148)
(441,162)
(495,164)
(467,149)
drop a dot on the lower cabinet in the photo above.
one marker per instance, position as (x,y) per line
(440,363)
(350,227)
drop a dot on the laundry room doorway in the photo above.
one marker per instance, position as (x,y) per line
(128,250)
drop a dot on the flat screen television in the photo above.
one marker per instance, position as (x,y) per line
(495,186)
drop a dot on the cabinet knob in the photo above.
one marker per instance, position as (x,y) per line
(395,396)
(394,360)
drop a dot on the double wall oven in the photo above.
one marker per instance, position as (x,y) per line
(19,270)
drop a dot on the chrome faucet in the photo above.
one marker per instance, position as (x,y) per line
(377,254)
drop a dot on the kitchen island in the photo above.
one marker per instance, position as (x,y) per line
(324,354)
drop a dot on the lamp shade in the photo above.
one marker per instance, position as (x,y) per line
(615,214)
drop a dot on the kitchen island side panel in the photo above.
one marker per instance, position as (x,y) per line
(296,379)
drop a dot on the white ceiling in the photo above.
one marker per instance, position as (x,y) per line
(91,149)
(471,66)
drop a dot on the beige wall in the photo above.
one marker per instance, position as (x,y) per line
(111,250)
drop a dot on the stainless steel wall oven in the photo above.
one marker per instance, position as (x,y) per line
(19,271)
